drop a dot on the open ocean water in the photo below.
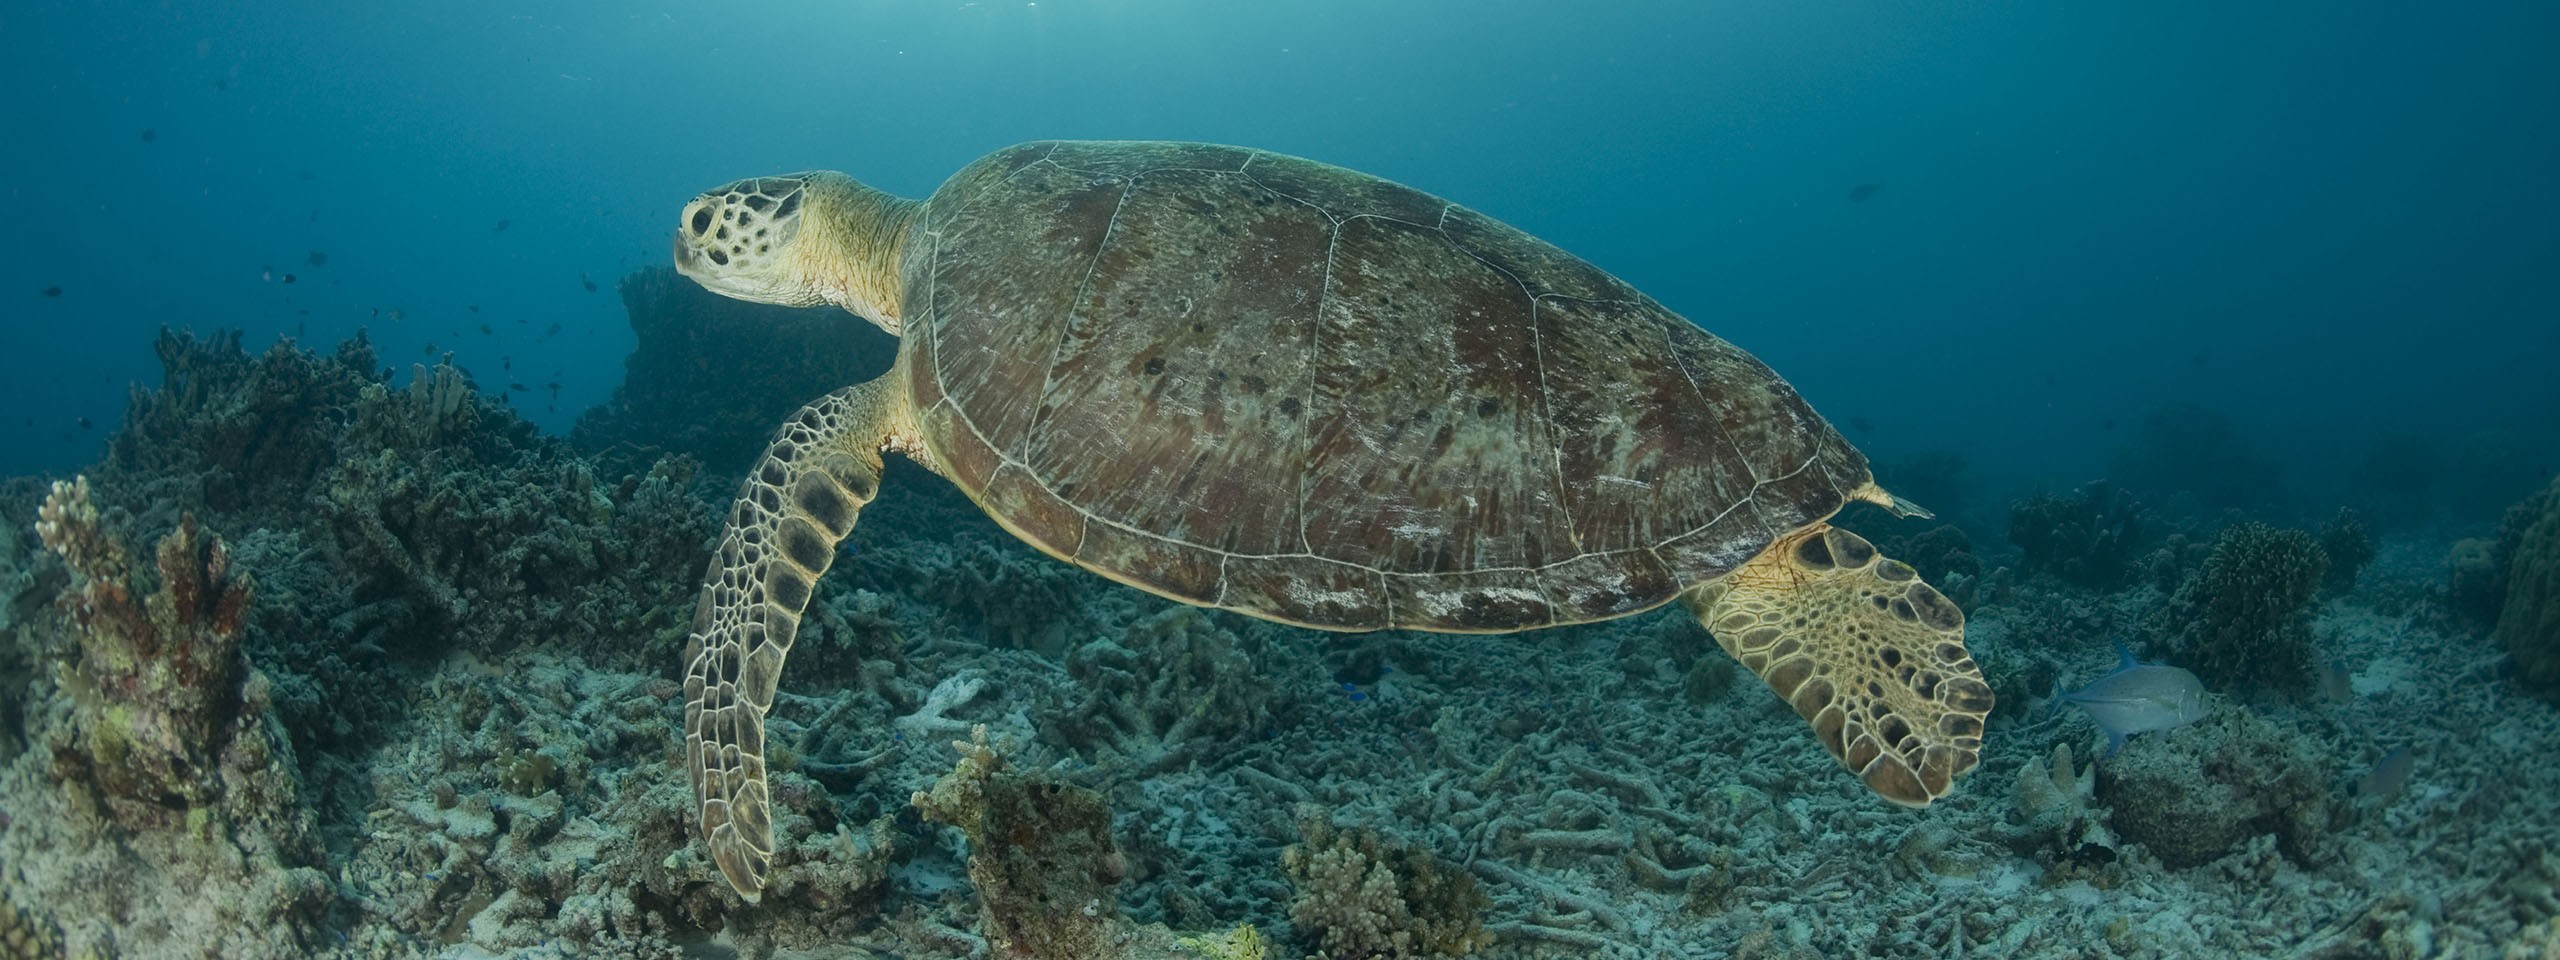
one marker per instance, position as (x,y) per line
(381,385)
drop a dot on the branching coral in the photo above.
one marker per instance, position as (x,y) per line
(2243,620)
(1174,687)
(1361,896)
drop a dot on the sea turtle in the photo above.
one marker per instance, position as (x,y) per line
(1250,381)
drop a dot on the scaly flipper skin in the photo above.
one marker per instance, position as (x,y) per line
(796,505)
(1864,651)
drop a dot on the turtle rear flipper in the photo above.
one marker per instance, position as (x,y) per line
(1863,650)
(799,502)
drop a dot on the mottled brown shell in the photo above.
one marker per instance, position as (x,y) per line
(1257,382)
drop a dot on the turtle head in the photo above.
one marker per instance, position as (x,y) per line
(799,240)
(743,239)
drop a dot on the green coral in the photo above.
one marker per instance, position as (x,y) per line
(2243,619)
(1362,896)
(1242,943)
(2529,619)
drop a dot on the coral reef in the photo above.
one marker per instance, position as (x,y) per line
(1169,690)
(25,936)
(2529,618)
(2088,537)
(2193,459)
(2193,797)
(443,518)
(712,376)
(2348,544)
(1040,856)
(168,708)
(2242,621)
(1360,896)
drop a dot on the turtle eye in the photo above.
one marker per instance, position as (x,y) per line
(701,220)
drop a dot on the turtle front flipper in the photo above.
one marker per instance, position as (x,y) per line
(1863,650)
(796,505)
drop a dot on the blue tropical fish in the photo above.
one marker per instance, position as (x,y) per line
(2140,698)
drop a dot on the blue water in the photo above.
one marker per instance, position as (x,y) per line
(2327,221)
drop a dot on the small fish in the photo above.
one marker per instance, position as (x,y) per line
(475,308)
(583,281)
(2390,775)
(486,332)
(2336,685)
(287,278)
(149,135)
(317,259)
(517,387)
(267,274)
(2108,424)
(2140,698)
(431,348)
(502,226)
(85,424)
(221,84)
(31,423)
(53,291)
(396,314)
(1860,193)
(373,313)
(506,363)
(555,390)
(1861,425)
(551,330)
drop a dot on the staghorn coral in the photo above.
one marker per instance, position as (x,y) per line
(2087,537)
(159,680)
(2529,617)
(2242,621)
(1176,686)
(1360,896)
